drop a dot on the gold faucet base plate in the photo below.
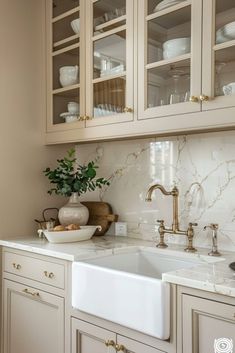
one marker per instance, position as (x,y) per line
(192,250)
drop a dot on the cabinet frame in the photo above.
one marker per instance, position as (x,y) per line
(130,69)
(208,63)
(50,126)
(195,66)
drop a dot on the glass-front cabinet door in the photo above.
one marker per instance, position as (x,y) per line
(109,61)
(218,78)
(169,67)
(65,80)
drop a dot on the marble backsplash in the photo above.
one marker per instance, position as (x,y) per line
(202,167)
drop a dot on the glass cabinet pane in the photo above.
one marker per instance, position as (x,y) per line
(168,52)
(108,14)
(109,97)
(110,34)
(110,55)
(224,48)
(62,6)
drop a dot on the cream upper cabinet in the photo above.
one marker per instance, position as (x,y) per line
(169,52)
(65,64)
(109,61)
(126,68)
(208,326)
(90,59)
(218,75)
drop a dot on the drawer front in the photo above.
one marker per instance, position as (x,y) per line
(39,270)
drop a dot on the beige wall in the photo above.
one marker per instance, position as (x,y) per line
(22,91)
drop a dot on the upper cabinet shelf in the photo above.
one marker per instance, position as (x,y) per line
(139,67)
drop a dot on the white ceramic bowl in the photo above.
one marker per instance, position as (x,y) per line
(71,118)
(75,24)
(220,37)
(71,236)
(229,89)
(229,30)
(73,107)
(68,75)
(176,47)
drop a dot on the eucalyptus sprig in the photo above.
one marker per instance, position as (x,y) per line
(70,177)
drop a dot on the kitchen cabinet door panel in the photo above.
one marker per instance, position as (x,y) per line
(208,326)
(33,320)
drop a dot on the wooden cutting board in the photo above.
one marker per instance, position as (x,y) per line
(100,214)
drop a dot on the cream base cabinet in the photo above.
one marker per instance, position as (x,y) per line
(33,320)
(88,338)
(208,326)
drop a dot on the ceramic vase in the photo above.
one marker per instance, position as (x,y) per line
(73,212)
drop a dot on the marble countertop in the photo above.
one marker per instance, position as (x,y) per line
(206,275)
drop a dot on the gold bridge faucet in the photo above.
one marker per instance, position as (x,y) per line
(175,229)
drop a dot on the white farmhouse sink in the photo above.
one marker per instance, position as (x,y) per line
(127,288)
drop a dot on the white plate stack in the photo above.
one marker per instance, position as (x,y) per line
(166,3)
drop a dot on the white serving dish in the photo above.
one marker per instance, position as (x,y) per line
(131,287)
(75,24)
(165,4)
(176,47)
(70,236)
(69,117)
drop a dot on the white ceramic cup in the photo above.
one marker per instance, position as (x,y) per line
(229,89)
(75,24)
(73,107)
(68,75)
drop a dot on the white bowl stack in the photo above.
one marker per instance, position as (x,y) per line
(176,47)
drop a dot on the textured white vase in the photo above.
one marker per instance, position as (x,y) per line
(73,212)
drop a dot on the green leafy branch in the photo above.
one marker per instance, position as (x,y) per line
(70,177)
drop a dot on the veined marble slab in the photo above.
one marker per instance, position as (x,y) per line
(202,166)
(213,277)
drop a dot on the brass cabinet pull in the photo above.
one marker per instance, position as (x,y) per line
(120,348)
(128,110)
(49,274)
(85,118)
(109,343)
(194,99)
(16,266)
(34,294)
(204,98)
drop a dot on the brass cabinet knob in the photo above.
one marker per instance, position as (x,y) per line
(194,99)
(204,98)
(33,294)
(49,274)
(128,110)
(16,266)
(109,343)
(120,348)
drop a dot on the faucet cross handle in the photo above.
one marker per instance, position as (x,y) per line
(212,226)
(161,230)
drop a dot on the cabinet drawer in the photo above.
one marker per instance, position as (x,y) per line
(38,270)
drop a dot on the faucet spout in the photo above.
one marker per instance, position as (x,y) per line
(175,194)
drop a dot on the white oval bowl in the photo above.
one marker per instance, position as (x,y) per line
(176,47)
(71,236)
